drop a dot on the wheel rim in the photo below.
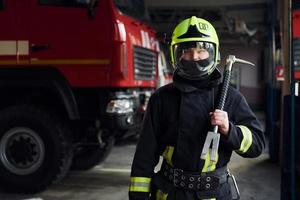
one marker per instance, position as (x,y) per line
(22,151)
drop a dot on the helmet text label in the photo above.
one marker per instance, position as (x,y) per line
(203,26)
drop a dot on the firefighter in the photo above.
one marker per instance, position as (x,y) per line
(177,120)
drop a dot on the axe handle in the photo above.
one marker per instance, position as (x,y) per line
(224,91)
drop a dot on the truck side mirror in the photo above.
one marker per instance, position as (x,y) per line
(90,5)
(91,8)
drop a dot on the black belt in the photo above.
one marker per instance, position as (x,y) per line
(204,181)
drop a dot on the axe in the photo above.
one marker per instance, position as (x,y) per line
(213,137)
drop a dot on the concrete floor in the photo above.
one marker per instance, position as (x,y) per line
(258,179)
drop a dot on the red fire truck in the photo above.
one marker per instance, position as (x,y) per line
(73,73)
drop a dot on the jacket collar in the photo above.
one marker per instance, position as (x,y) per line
(185,85)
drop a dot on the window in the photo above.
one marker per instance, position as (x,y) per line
(1,4)
(133,8)
(65,3)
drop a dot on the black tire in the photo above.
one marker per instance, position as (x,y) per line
(35,149)
(87,157)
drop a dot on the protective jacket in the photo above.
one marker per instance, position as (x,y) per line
(175,127)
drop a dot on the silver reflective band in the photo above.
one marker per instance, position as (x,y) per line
(140,184)
(120,106)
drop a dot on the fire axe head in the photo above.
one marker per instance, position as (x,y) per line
(231,59)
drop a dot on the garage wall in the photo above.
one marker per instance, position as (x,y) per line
(251,82)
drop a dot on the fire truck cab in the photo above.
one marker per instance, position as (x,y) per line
(73,73)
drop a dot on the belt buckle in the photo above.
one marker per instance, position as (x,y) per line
(177,173)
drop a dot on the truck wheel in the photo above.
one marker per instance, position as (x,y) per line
(35,149)
(87,157)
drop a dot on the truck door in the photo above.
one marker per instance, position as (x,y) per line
(8,34)
(22,11)
(14,37)
(63,35)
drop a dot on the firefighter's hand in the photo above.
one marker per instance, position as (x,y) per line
(220,118)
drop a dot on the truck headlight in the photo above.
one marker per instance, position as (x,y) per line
(120,106)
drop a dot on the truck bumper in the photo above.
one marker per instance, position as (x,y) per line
(123,121)
(126,111)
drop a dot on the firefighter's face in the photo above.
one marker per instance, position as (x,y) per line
(194,54)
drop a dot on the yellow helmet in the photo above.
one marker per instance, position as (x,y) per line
(190,33)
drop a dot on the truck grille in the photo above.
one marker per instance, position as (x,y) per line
(144,61)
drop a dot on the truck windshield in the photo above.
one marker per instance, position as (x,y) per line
(133,8)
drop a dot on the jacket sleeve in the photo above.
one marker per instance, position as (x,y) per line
(146,155)
(246,136)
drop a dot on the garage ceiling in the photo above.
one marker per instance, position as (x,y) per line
(236,21)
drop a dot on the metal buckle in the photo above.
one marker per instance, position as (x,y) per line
(231,176)
(176,174)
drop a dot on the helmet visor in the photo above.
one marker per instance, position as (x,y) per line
(194,51)
(195,60)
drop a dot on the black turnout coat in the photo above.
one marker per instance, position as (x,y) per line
(175,127)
